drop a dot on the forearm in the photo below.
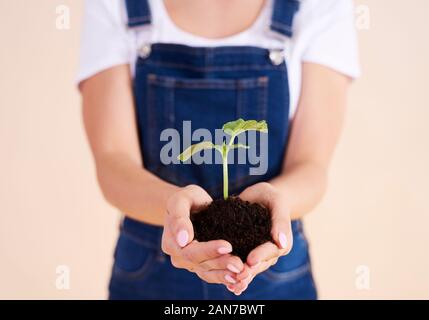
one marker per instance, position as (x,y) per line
(133,190)
(110,124)
(314,134)
(303,185)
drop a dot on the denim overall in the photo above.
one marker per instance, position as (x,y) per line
(207,86)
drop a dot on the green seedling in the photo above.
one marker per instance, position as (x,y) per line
(233,129)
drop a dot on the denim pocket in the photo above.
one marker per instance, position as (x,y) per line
(294,265)
(207,103)
(133,259)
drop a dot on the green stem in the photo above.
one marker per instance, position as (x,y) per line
(225,174)
(225,150)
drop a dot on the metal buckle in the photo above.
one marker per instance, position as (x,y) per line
(145,51)
(277,57)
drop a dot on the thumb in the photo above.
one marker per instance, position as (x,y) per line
(184,232)
(179,222)
(281,230)
(179,208)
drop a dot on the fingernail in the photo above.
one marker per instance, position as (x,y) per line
(230,288)
(224,250)
(230,279)
(282,240)
(232,268)
(182,238)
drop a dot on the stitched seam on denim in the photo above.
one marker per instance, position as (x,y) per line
(204,50)
(205,290)
(201,86)
(282,32)
(262,108)
(288,275)
(281,26)
(170,114)
(160,256)
(150,114)
(140,272)
(220,69)
(171,118)
(171,107)
(215,51)
(167,82)
(139,19)
(136,239)
(240,98)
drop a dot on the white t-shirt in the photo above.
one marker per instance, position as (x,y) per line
(324,33)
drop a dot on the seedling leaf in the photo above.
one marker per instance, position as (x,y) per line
(190,151)
(234,128)
(239,145)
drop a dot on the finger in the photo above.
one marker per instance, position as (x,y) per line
(180,263)
(281,230)
(178,221)
(262,253)
(198,252)
(272,262)
(245,273)
(243,280)
(240,286)
(241,291)
(226,262)
(251,273)
(169,243)
(263,266)
(179,208)
(217,276)
(198,196)
(262,193)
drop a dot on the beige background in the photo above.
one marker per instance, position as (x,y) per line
(375,214)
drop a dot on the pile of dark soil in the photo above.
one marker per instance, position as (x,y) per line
(245,225)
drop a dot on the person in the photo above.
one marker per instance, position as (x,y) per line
(149,65)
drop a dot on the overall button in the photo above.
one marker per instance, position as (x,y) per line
(145,51)
(277,57)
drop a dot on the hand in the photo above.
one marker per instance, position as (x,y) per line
(267,254)
(211,260)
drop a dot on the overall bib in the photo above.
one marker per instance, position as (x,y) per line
(208,86)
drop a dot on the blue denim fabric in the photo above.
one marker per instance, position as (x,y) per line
(207,86)
(210,86)
(142,271)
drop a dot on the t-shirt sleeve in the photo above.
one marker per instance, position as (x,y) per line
(332,38)
(105,41)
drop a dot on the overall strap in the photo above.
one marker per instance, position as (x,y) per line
(138,13)
(283,14)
